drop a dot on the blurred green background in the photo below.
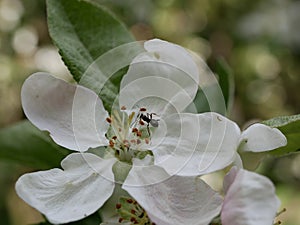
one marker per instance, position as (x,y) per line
(259,39)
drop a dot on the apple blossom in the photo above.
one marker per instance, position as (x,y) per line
(159,85)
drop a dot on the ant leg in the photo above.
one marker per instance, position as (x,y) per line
(148,129)
(137,120)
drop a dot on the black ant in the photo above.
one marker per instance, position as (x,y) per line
(148,119)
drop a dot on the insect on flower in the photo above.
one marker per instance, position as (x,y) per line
(147,118)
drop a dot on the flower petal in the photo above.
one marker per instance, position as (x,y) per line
(164,76)
(195,144)
(74,115)
(250,199)
(86,182)
(229,178)
(174,55)
(259,138)
(177,200)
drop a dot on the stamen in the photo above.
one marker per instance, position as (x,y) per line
(147,141)
(129,200)
(111,143)
(131,117)
(139,133)
(280,212)
(132,212)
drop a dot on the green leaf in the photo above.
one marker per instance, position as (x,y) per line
(82,32)
(85,33)
(216,94)
(290,127)
(25,144)
(226,81)
(210,99)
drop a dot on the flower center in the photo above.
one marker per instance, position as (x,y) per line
(130,211)
(129,135)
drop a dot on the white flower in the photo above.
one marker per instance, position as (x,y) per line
(158,86)
(250,199)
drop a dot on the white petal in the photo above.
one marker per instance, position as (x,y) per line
(86,182)
(174,55)
(229,178)
(177,200)
(195,144)
(250,200)
(74,115)
(259,138)
(165,76)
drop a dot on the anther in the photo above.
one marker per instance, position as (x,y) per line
(143,109)
(132,211)
(121,220)
(147,141)
(111,143)
(139,134)
(108,119)
(114,138)
(132,219)
(118,206)
(141,122)
(142,215)
(129,200)
(138,141)
(123,107)
(134,130)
